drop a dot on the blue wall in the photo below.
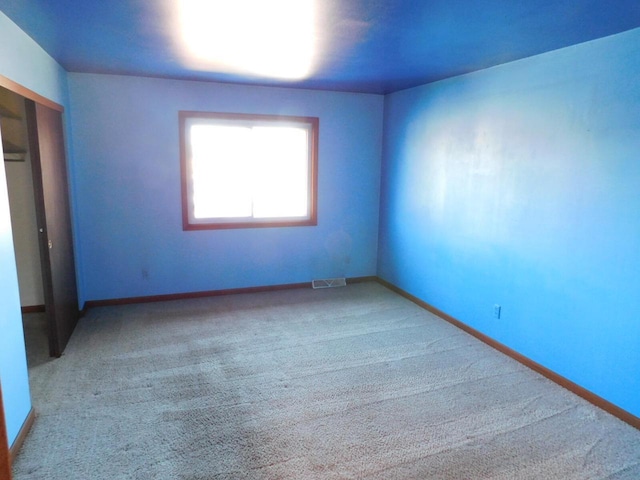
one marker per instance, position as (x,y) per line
(516,185)
(127,178)
(13,364)
(24,62)
(520,186)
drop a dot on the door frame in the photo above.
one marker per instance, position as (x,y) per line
(5,455)
(29,94)
(8,452)
(55,350)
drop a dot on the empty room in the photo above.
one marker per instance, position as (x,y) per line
(291,239)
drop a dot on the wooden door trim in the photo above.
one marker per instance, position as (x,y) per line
(5,458)
(22,435)
(27,93)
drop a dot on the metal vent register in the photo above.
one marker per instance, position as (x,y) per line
(329,282)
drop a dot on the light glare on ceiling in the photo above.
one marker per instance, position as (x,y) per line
(273,38)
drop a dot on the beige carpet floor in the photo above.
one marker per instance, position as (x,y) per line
(345,383)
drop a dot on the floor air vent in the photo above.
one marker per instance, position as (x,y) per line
(329,282)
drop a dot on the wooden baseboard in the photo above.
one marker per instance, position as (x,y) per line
(353,280)
(22,434)
(527,362)
(190,295)
(33,309)
(209,293)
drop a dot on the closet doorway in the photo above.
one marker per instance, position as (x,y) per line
(35,163)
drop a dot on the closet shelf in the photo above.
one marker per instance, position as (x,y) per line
(6,113)
(12,152)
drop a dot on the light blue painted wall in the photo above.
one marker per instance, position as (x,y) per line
(24,62)
(520,186)
(127,177)
(13,364)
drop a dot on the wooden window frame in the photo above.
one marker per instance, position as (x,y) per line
(312,122)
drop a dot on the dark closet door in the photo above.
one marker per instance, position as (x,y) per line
(46,145)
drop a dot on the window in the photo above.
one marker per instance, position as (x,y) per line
(244,171)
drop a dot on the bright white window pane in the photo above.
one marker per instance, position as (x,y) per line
(221,156)
(281,165)
(244,170)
